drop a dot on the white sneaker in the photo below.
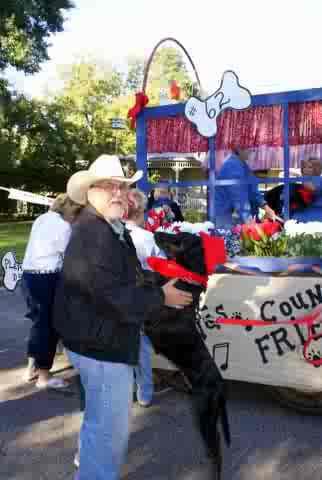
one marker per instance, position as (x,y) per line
(54,382)
(31,372)
(76,460)
(145,403)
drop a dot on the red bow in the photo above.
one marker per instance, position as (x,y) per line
(214,254)
(214,251)
(141,100)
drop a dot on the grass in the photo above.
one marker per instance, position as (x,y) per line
(13,238)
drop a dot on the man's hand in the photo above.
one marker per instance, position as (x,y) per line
(269,212)
(175,297)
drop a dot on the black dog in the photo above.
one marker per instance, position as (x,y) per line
(175,335)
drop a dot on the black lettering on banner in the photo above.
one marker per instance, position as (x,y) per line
(280,337)
(220,311)
(286,309)
(210,321)
(300,303)
(299,332)
(316,298)
(263,310)
(262,348)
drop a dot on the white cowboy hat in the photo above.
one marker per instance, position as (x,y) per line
(105,167)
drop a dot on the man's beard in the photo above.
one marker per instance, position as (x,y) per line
(116,211)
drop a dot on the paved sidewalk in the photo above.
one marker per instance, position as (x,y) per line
(38,429)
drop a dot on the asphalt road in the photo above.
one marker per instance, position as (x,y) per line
(38,429)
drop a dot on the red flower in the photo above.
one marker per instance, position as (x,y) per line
(257,231)
(252,231)
(270,228)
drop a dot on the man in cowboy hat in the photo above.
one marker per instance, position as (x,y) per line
(100,305)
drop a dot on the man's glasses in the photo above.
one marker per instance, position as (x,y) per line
(113,187)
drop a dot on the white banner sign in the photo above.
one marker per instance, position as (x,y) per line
(29,197)
(272,354)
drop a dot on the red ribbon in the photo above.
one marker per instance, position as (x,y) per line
(169,268)
(214,254)
(141,100)
(307,320)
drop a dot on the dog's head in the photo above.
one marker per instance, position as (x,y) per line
(185,248)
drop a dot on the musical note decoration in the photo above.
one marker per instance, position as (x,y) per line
(221,355)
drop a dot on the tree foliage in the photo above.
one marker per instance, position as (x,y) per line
(25,27)
(42,142)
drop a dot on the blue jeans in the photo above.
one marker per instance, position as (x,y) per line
(143,375)
(39,293)
(105,429)
(143,372)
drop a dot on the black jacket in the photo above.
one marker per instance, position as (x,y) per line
(100,303)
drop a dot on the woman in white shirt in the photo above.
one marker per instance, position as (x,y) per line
(41,266)
(145,247)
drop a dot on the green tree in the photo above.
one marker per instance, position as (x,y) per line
(88,101)
(135,72)
(37,146)
(25,27)
(42,142)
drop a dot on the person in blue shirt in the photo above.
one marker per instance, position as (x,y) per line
(238,203)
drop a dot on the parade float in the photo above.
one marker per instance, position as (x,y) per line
(255,313)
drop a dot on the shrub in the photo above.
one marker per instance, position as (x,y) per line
(194,216)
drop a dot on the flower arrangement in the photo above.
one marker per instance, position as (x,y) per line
(268,239)
(231,238)
(263,239)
